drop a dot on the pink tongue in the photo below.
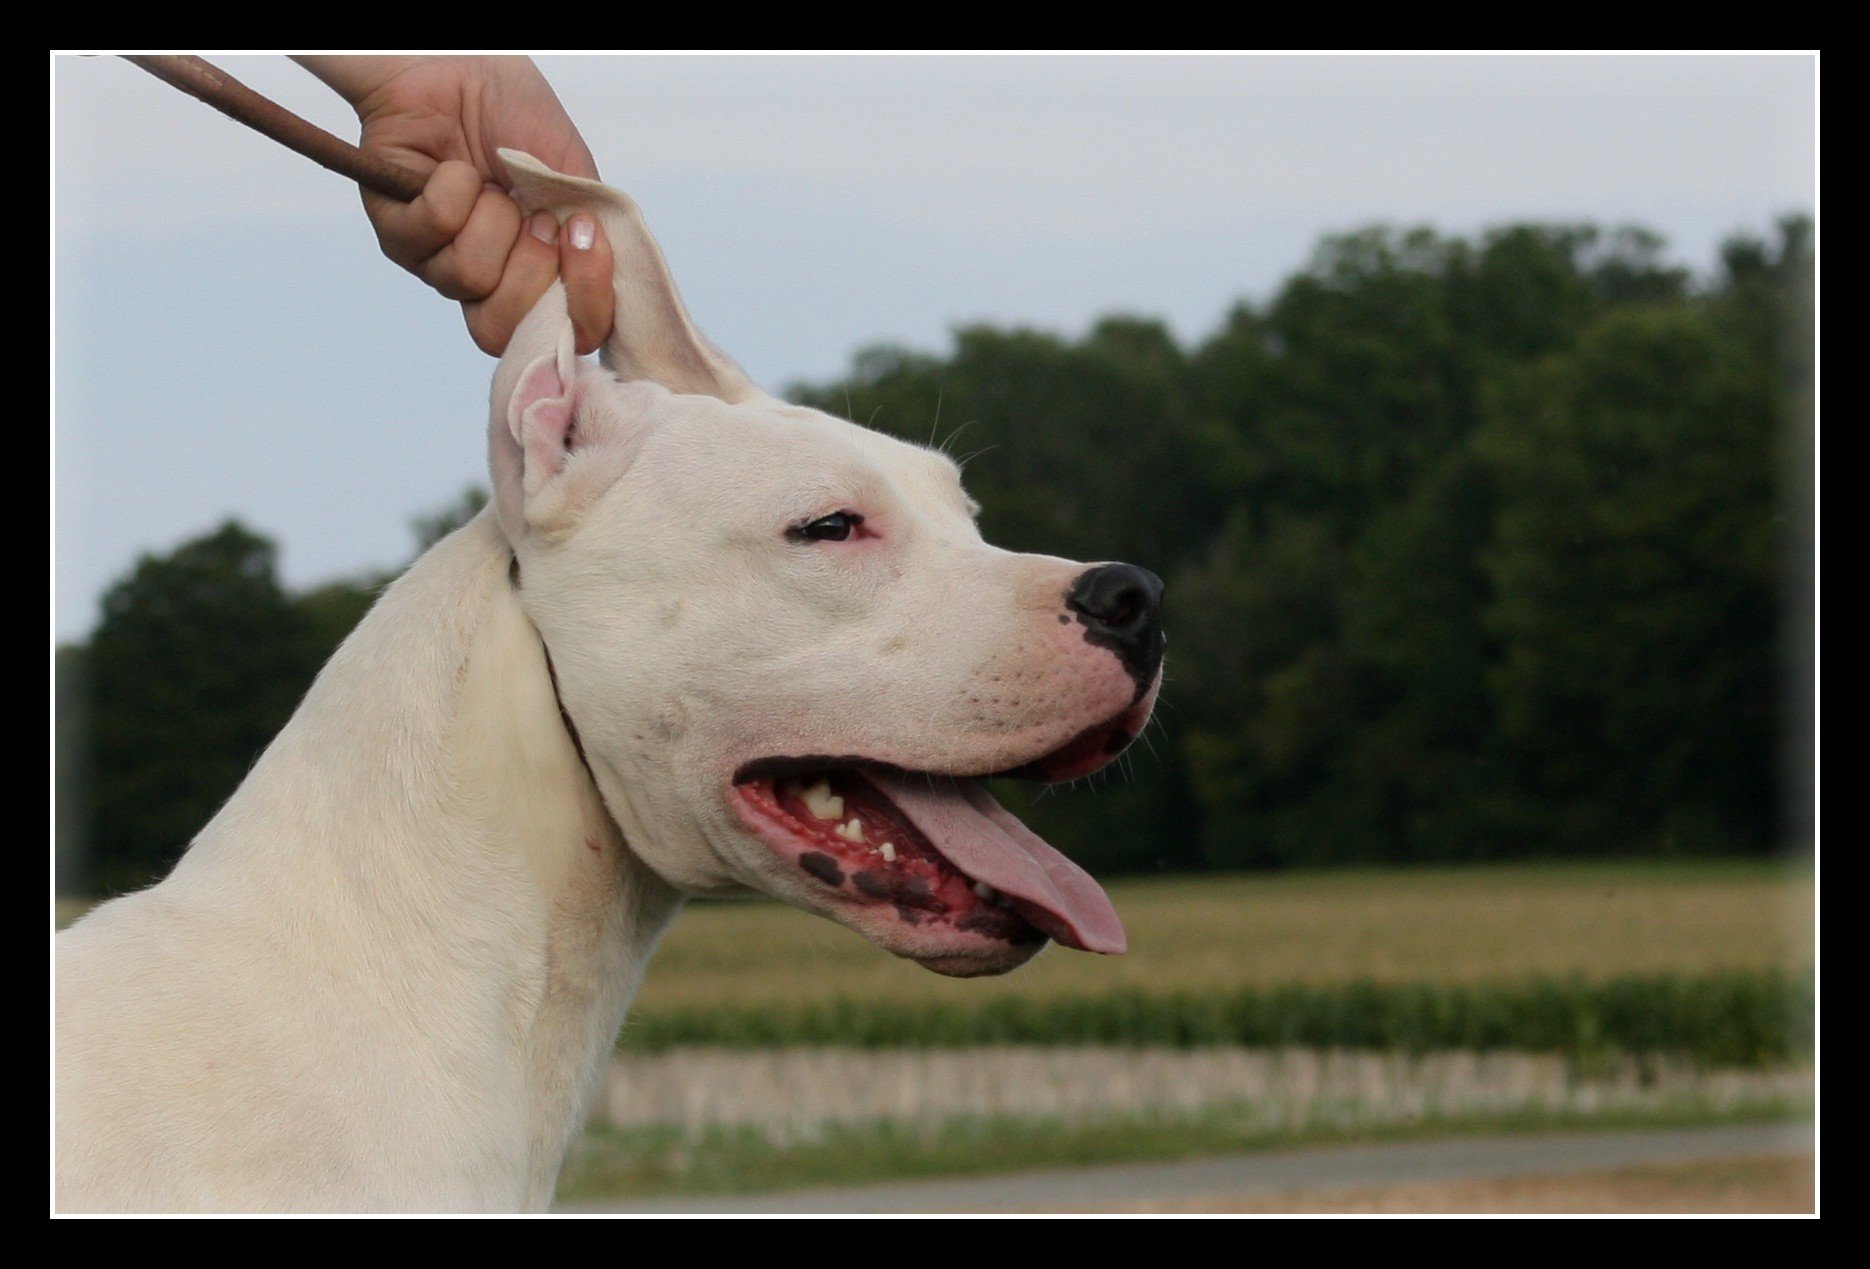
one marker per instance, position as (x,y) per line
(975,834)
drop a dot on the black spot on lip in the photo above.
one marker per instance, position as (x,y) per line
(1002,924)
(914,904)
(823,867)
(915,892)
(906,891)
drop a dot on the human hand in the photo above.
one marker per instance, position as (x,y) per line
(447,117)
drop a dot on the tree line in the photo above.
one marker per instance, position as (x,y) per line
(1476,548)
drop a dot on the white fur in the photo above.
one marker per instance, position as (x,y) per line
(388,973)
(385,976)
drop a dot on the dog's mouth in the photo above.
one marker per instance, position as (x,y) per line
(935,854)
(930,865)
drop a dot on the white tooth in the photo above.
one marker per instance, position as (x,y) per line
(888,850)
(984,890)
(822,802)
(852,830)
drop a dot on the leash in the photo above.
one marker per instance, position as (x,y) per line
(207,82)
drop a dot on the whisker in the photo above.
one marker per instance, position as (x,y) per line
(947,445)
(936,425)
(963,462)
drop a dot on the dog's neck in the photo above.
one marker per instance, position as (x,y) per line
(443,810)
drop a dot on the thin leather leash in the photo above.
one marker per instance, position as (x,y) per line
(207,82)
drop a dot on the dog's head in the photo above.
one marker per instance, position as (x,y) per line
(787,651)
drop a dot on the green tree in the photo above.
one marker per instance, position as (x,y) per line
(1636,563)
(1339,705)
(71,784)
(1476,547)
(198,659)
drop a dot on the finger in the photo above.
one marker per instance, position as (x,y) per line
(470,267)
(530,269)
(584,261)
(412,232)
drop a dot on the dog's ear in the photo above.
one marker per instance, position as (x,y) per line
(561,430)
(653,337)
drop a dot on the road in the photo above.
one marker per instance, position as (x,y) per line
(1320,1169)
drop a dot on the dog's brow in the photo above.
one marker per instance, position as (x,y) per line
(950,471)
(967,499)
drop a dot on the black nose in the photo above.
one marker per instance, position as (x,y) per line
(1121,607)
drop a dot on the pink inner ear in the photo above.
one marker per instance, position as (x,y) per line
(541,415)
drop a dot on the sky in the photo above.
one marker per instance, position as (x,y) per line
(229,342)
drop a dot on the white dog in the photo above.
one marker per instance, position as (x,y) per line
(701,642)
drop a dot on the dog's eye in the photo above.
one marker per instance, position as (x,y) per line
(832,528)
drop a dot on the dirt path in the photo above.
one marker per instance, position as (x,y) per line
(1761,1184)
(1309,1177)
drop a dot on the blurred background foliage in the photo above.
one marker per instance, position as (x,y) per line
(1486,548)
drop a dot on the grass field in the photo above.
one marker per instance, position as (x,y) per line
(1428,925)
(1735,1018)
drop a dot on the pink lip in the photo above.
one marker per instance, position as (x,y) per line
(1094,747)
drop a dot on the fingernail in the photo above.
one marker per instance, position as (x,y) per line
(544,227)
(583,232)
